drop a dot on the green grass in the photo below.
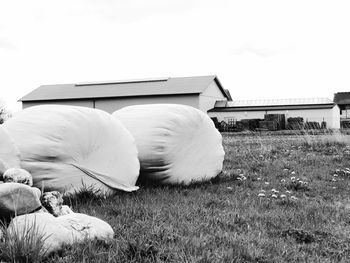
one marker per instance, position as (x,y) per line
(24,245)
(224,220)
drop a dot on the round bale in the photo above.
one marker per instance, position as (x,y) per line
(66,148)
(177,144)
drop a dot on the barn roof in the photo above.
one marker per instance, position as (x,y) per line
(274,104)
(127,88)
(279,102)
(342,98)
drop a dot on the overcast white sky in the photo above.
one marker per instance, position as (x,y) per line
(259,49)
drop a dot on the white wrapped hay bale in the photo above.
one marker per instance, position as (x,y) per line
(55,232)
(176,143)
(66,147)
(9,153)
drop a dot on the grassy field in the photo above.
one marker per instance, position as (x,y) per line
(279,199)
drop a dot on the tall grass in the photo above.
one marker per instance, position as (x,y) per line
(23,244)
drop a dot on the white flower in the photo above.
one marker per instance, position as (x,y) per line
(292,172)
(229,188)
(274,196)
(243,177)
(283,196)
(258,178)
(288,192)
(267,183)
(274,190)
(283,180)
(292,178)
(261,195)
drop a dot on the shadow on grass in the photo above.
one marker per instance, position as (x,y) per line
(222,177)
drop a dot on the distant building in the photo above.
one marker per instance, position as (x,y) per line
(200,92)
(310,110)
(342,99)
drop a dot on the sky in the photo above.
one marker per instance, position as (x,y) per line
(259,49)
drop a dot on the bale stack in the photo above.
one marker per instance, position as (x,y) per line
(239,127)
(268,125)
(279,120)
(295,123)
(244,124)
(223,127)
(345,124)
(312,125)
(250,124)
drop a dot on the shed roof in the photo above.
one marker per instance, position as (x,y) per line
(279,102)
(127,88)
(342,98)
(274,104)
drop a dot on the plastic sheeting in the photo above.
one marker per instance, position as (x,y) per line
(66,147)
(176,143)
(9,153)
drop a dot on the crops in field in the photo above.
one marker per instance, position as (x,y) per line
(279,198)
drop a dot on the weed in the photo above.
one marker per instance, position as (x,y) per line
(23,244)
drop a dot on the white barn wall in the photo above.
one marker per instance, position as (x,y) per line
(336,117)
(331,116)
(345,114)
(82,103)
(112,104)
(208,98)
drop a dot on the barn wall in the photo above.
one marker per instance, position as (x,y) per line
(331,116)
(82,103)
(112,104)
(208,98)
(336,117)
(345,114)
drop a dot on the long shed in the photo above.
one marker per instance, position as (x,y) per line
(310,109)
(200,92)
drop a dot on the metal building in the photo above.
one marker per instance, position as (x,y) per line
(318,110)
(200,92)
(342,99)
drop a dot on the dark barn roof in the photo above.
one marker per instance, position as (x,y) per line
(342,98)
(146,87)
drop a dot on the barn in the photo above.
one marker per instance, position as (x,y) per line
(309,110)
(342,99)
(200,92)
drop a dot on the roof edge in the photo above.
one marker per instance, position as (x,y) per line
(111,97)
(275,107)
(217,81)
